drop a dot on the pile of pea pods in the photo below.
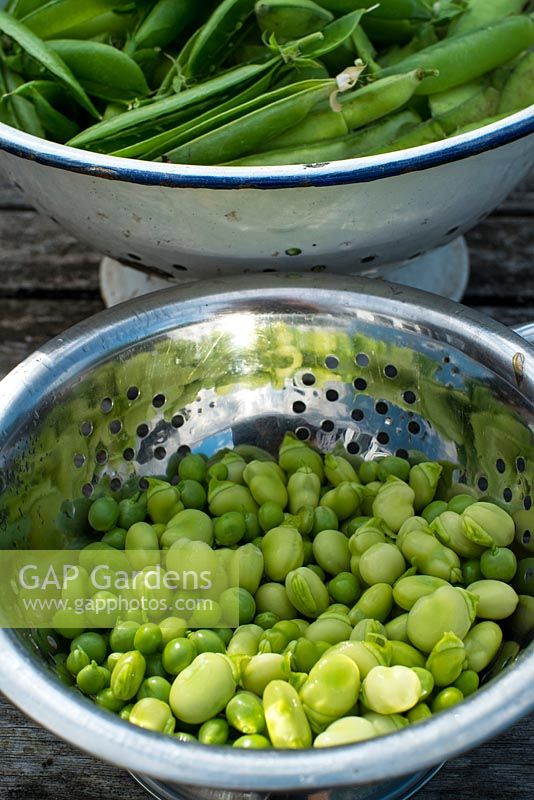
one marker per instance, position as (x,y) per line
(372,595)
(261,83)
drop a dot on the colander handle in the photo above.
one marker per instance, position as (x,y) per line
(526,332)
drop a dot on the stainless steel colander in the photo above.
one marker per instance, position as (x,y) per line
(367,367)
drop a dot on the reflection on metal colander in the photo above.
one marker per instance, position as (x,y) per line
(347,364)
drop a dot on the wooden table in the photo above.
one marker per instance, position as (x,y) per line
(48,282)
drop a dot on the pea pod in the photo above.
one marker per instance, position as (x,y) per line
(211,43)
(463,58)
(291,19)
(58,126)
(480,13)
(60,18)
(387,9)
(163,23)
(358,108)
(518,90)
(287,724)
(47,57)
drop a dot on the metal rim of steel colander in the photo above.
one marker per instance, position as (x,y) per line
(28,683)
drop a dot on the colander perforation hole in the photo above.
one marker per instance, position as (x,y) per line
(362,360)
(129,454)
(2,484)
(158,401)
(183,450)
(414,427)
(526,537)
(143,484)
(357,414)
(382,437)
(79,460)
(390,371)
(101,456)
(401,452)
(177,421)
(133,393)
(86,428)
(303,433)
(106,405)
(160,452)
(299,407)
(507,494)
(409,397)
(482,483)
(332,395)
(327,425)
(87,490)
(115,484)
(142,430)
(353,448)
(381,407)
(360,384)
(115,426)
(527,503)
(520,464)
(500,466)
(308,379)
(331,362)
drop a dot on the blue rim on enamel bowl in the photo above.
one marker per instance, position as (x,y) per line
(355,170)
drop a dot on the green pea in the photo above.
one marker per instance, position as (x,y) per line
(148,638)
(345,731)
(498,563)
(153,715)
(128,675)
(192,467)
(391,690)
(171,628)
(154,666)
(324,519)
(344,588)
(367,629)
(76,661)
(397,628)
(471,571)
(245,713)
(445,699)
(381,563)
(93,644)
(91,679)
(405,655)
(104,514)
(214,731)
(207,641)
(467,682)
(252,742)
(331,551)
(448,609)
(106,699)
(202,690)
(116,538)
(408,590)
(375,603)
(266,619)
(393,465)
(418,713)
(155,686)
(496,599)
(460,502)
(192,494)
(283,551)
(230,528)
(286,721)
(132,510)
(270,515)
(433,510)
(306,592)
(121,638)
(261,670)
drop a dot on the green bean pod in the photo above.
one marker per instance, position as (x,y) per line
(70,18)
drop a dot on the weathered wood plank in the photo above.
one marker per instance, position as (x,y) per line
(38,766)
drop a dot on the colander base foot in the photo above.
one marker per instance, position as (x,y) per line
(397,789)
(444,271)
